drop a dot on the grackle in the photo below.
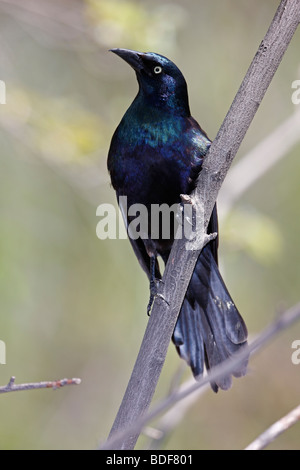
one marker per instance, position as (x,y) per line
(155,156)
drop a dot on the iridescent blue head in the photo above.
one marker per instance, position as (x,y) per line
(161,83)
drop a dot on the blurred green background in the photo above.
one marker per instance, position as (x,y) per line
(75,306)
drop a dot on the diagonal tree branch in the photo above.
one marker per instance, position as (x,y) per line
(182,261)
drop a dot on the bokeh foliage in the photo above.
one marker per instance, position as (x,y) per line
(72,305)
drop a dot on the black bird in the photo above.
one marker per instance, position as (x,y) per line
(155,155)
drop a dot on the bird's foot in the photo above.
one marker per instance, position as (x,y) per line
(201,240)
(154,283)
(196,236)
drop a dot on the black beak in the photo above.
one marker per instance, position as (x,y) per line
(133,58)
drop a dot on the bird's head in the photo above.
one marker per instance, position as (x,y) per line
(160,80)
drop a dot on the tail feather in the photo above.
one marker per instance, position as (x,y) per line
(189,346)
(209,328)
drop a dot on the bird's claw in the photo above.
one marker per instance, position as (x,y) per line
(208,237)
(197,239)
(154,294)
(187,199)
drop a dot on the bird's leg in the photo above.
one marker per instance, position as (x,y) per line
(154,281)
(153,284)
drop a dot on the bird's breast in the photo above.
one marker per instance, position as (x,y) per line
(151,156)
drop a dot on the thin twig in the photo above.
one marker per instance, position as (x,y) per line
(275,430)
(11,387)
(284,321)
(182,262)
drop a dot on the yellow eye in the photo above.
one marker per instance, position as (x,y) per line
(157,69)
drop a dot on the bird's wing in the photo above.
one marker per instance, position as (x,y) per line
(138,246)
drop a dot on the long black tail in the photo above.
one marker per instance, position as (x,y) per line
(209,328)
